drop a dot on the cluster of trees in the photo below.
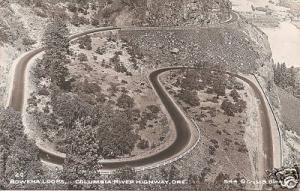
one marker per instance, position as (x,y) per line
(82,7)
(119,66)
(85,42)
(101,133)
(189,96)
(143,144)
(107,131)
(150,113)
(18,155)
(125,101)
(197,79)
(231,108)
(56,45)
(100,50)
(82,57)
(284,77)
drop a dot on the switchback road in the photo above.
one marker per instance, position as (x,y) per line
(185,131)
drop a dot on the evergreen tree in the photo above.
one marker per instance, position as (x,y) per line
(18,155)
(56,45)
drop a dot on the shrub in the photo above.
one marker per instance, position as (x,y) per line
(82,57)
(189,96)
(228,107)
(40,13)
(72,7)
(125,101)
(100,50)
(153,108)
(119,67)
(240,105)
(235,95)
(28,41)
(85,42)
(95,22)
(143,144)
(43,91)
(115,133)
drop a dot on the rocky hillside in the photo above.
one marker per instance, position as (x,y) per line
(22,22)
(168,12)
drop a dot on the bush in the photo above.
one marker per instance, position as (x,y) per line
(43,91)
(28,41)
(125,101)
(85,42)
(95,22)
(153,108)
(82,57)
(72,7)
(77,21)
(143,144)
(190,97)
(100,50)
(86,87)
(240,105)
(115,133)
(40,13)
(235,95)
(119,67)
(228,107)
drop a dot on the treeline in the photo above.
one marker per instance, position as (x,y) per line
(287,78)
(284,77)
(53,62)
(213,80)
(18,155)
(86,126)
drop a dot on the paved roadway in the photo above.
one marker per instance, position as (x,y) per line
(181,122)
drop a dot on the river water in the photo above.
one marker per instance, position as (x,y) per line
(285,43)
(285,39)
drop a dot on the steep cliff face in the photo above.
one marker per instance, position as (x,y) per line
(284,104)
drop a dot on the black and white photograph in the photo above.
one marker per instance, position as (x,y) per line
(184,95)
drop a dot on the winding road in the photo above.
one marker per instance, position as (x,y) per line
(185,130)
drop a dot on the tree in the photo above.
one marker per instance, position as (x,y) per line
(125,101)
(56,36)
(56,43)
(143,144)
(85,42)
(228,107)
(18,154)
(69,108)
(219,82)
(114,132)
(24,159)
(82,57)
(235,95)
(191,80)
(190,97)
